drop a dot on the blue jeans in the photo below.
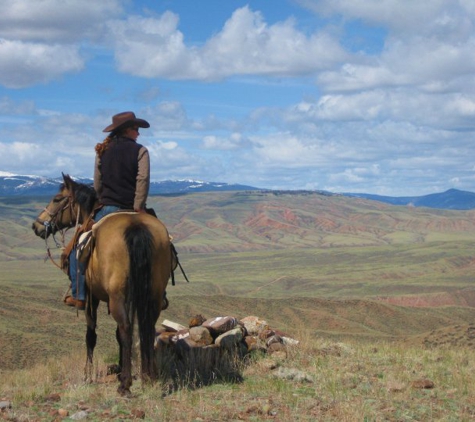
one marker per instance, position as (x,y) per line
(106,209)
(78,275)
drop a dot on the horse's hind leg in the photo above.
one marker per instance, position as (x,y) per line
(124,338)
(91,336)
(119,342)
(149,369)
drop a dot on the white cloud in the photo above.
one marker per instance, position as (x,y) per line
(429,46)
(167,116)
(245,46)
(425,65)
(24,64)
(55,20)
(404,17)
(233,142)
(18,156)
(451,111)
(169,160)
(40,40)
(396,120)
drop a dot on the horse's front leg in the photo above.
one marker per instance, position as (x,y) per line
(91,336)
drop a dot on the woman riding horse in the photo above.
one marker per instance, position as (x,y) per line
(128,268)
(131,262)
(121,180)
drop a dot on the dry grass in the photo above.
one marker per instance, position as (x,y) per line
(325,380)
(297,262)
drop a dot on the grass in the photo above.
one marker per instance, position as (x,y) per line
(335,272)
(326,270)
(295,287)
(344,381)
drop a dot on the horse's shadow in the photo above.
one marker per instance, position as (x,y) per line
(198,367)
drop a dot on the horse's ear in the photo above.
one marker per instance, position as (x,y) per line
(67,180)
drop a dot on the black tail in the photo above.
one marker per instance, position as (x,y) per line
(139,297)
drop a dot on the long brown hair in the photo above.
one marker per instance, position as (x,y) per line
(102,146)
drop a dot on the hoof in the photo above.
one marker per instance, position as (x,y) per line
(124,392)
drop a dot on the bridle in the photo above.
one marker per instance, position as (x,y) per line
(52,227)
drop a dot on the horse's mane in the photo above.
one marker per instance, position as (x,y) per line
(84,195)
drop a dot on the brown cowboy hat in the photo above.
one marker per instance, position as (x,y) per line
(126,118)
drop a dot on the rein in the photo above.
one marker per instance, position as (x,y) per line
(175,254)
(52,223)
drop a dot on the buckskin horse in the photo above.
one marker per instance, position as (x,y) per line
(128,268)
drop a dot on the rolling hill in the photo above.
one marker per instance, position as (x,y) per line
(329,264)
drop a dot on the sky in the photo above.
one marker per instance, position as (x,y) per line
(374,96)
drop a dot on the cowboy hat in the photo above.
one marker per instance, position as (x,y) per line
(127,117)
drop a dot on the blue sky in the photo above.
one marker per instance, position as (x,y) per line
(373,96)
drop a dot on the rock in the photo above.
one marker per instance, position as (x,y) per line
(220,325)
(276,347)
(180,335)
(172,326)
(230,338)
(5,404)
(292,374)
(423,384)
(254,344)
(63,412)
(164,338)
(253,324)
(210,345)
(288,341)
(201,335)
(184,345)
(266,333)
(137,414)
(79,416)
(196,321)
(251,342)
(256,348)
(273,339)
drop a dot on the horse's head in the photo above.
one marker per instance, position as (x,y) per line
(60,213)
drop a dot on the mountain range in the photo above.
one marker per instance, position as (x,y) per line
(14,184)
(28,185)
(452,199)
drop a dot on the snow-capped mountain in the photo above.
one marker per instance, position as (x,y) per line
(15,184)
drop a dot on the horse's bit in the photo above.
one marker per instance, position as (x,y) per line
(51,226)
